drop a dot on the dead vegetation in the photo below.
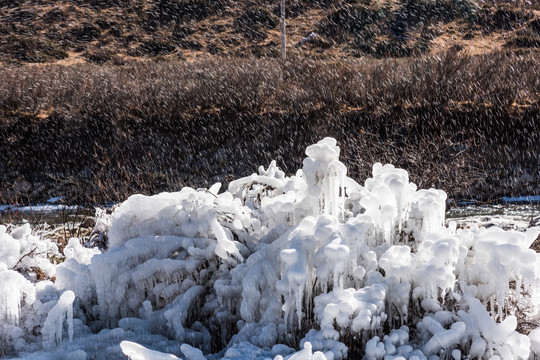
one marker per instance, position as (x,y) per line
(97,133)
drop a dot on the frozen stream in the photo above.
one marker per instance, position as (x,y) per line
(507,216)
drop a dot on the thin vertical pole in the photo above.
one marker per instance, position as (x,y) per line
(283,38)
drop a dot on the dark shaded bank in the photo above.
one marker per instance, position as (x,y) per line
(95,134)
(93,160)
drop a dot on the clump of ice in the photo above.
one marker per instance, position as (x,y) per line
(325,177)
(368,270)
(16,291)
(53,327)
(534,338)
(138,352)
(24,251)
(21,253)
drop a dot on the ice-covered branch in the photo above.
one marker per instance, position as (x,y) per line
(369,270)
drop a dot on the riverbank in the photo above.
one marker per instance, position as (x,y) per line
(97,134)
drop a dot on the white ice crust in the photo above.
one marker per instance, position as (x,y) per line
(366,271)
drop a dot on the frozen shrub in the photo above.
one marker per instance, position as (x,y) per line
(313,261)
(21,251)
(21,292)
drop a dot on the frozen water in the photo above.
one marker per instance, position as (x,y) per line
(138,352)
(16,290)
(534,338)
(48,208)
(53,328)
(363,271)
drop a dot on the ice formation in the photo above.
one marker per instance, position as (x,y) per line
(53,327)
(313,261)
(138,352)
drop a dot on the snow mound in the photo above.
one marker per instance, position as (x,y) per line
(313,261)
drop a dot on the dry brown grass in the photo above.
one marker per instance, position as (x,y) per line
(102,132)
(174,89)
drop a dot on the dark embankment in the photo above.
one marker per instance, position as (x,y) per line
(466,124)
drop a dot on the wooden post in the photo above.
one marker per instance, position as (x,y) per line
(283,37)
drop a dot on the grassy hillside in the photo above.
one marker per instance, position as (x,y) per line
(117,31)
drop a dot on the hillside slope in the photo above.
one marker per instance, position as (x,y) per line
(71,31)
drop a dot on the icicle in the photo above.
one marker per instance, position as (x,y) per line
(324,175)
(52,329)
(518,288)
(15,288)
(225,245)
(500,304)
